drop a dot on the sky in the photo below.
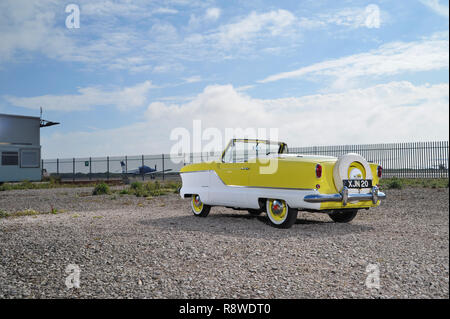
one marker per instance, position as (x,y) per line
(123,79)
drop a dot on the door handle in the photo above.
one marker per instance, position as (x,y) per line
(245,168)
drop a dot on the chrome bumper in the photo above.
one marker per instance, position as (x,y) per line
(345,197)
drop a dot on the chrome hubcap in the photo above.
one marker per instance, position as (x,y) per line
(355,173)
(277,207)
(197,201)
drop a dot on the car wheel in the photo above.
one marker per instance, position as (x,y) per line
(280,214)
(254,212)
(341,169)
(198,208)
(343,216)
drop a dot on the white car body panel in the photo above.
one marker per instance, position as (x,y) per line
(213,191)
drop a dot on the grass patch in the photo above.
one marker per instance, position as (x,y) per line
(27,212)
(45,184)
(101,189)
(140,189)
(30,212)
(395,183)
(151,189)
(3,214)
(399,183)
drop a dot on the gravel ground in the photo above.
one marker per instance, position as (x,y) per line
(128,247)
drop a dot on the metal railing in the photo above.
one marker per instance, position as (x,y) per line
(403,160)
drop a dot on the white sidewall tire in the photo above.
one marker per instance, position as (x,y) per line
(204,212)
(276,222)
(340,170)
(194,211)
(287,221)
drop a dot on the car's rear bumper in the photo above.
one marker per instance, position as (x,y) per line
(375,195)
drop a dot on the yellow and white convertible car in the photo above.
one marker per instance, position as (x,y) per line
(261,176)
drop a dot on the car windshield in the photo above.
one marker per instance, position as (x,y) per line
(239,151)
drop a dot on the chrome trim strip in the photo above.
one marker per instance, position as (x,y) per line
(205,170)
(286,188)
(375,195)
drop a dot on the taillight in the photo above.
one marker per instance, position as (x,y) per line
(318,171)
(379,171)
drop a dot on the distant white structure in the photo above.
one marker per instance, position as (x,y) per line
(20,148)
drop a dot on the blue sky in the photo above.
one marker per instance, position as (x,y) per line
(323,72)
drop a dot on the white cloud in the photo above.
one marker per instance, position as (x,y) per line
(437,7)
(368,17)
(168,67)
(245,88)
(355,17)
(389,59)
(29,27)
(193,79)
(110,8)
(368,115)
(273,23)
(124,8)
(245,37)
(104,41)
(212,14)
(165,11)
(88,97)
(26,27)
(252,33)
(163,32)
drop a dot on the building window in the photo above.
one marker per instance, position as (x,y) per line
(10,158)
(29,158)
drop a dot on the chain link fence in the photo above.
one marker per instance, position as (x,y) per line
(404,160)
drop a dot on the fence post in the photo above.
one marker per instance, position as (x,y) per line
(73,170)
(430,160)
(126,164)
(163,166)
(90,168)
(57,167)
(107,167)
(448,158)
(143,176)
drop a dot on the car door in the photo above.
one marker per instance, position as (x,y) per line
(263,167)
(228,184)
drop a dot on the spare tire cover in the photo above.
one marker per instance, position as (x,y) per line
(340,170)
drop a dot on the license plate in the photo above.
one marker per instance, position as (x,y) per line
(358,183)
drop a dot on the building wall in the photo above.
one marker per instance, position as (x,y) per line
(19,130)
(21,135)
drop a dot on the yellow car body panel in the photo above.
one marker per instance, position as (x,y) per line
(327,186)
(292,172)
